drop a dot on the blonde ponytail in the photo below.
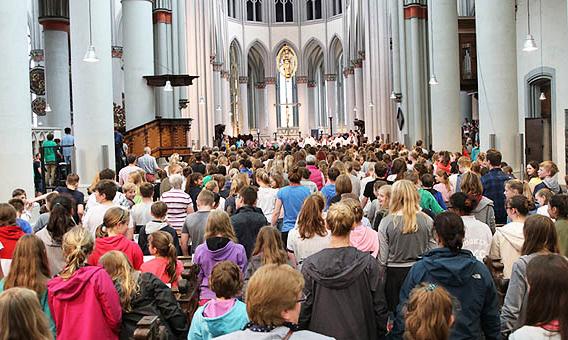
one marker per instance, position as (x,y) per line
(77,246)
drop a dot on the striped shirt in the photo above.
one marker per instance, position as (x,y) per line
(177,201)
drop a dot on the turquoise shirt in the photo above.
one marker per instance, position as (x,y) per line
(44,306)
(204,328)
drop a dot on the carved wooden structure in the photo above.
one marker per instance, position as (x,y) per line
(495,266)
(163,136)
(149,328)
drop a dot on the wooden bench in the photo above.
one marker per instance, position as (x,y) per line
(150,328)
(187,293)
(496,267)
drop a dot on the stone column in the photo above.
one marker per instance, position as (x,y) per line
(54,16)
(303,110)
(348,73)
(138,61)
(260,89)
(331,94)
(271,105)
(465,106)
(445,97)
(244,122)
(162,16)
(225,86)
(15,110)
(117,76)
(497,73)
(358,79)
(92,93)
(415,15)
(218,90)
(312,120)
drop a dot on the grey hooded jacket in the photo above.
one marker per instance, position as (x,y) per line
(484,212)
(513,311)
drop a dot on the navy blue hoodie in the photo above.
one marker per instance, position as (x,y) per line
(468,281)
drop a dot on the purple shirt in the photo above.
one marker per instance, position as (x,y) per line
(207,259)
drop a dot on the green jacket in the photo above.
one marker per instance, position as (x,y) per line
(44,307)
(427,201)
(562,231)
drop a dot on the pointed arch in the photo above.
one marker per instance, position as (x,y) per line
(313,53)
(334,51)
(257,50)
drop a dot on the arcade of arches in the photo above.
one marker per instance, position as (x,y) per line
(373,61)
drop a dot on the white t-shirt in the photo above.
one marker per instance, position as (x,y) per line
(302,248)
(477,238)
(141,213)
(94,216)
(266,200)
(543,210)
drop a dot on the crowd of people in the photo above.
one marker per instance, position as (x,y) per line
(293,241)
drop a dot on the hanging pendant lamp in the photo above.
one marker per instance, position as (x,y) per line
(90,56)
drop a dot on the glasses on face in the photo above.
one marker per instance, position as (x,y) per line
(302,298)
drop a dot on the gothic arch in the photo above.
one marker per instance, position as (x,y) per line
(258,51)
(312,57)
(235,47)
(334,51)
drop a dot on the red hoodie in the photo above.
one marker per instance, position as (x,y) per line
(118,242)
(9,235)
(85,306)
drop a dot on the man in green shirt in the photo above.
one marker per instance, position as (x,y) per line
(50,159)
(558,210)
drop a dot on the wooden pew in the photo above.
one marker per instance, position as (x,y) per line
(496,267)
(149,328)
(187,293)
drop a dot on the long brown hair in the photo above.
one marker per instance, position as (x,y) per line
(429,313)
(30,268)
(219,223)
(547,276)
(21,316)
(269,244)
(164,244)
(310,220)
(77,245)
(540,234)
(124,277)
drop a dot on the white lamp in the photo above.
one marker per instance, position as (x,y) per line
(48,108)
(168,87)
(90,56)
(530,44)
(542,97)
(433,80)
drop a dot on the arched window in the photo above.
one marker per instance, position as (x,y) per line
(232,8)
(254,10)
(286,97)
(284,10)
(336,7)
(313,9)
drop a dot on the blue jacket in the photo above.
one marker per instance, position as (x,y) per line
(468,281)
(204,328)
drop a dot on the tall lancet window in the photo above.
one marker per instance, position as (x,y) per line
(313,9)
(254,10)
(336,7)
(284,10)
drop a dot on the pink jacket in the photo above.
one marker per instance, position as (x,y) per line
(316,176)
(85,306)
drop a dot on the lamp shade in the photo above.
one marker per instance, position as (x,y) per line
(90,56)
(530,44)
(168,87)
